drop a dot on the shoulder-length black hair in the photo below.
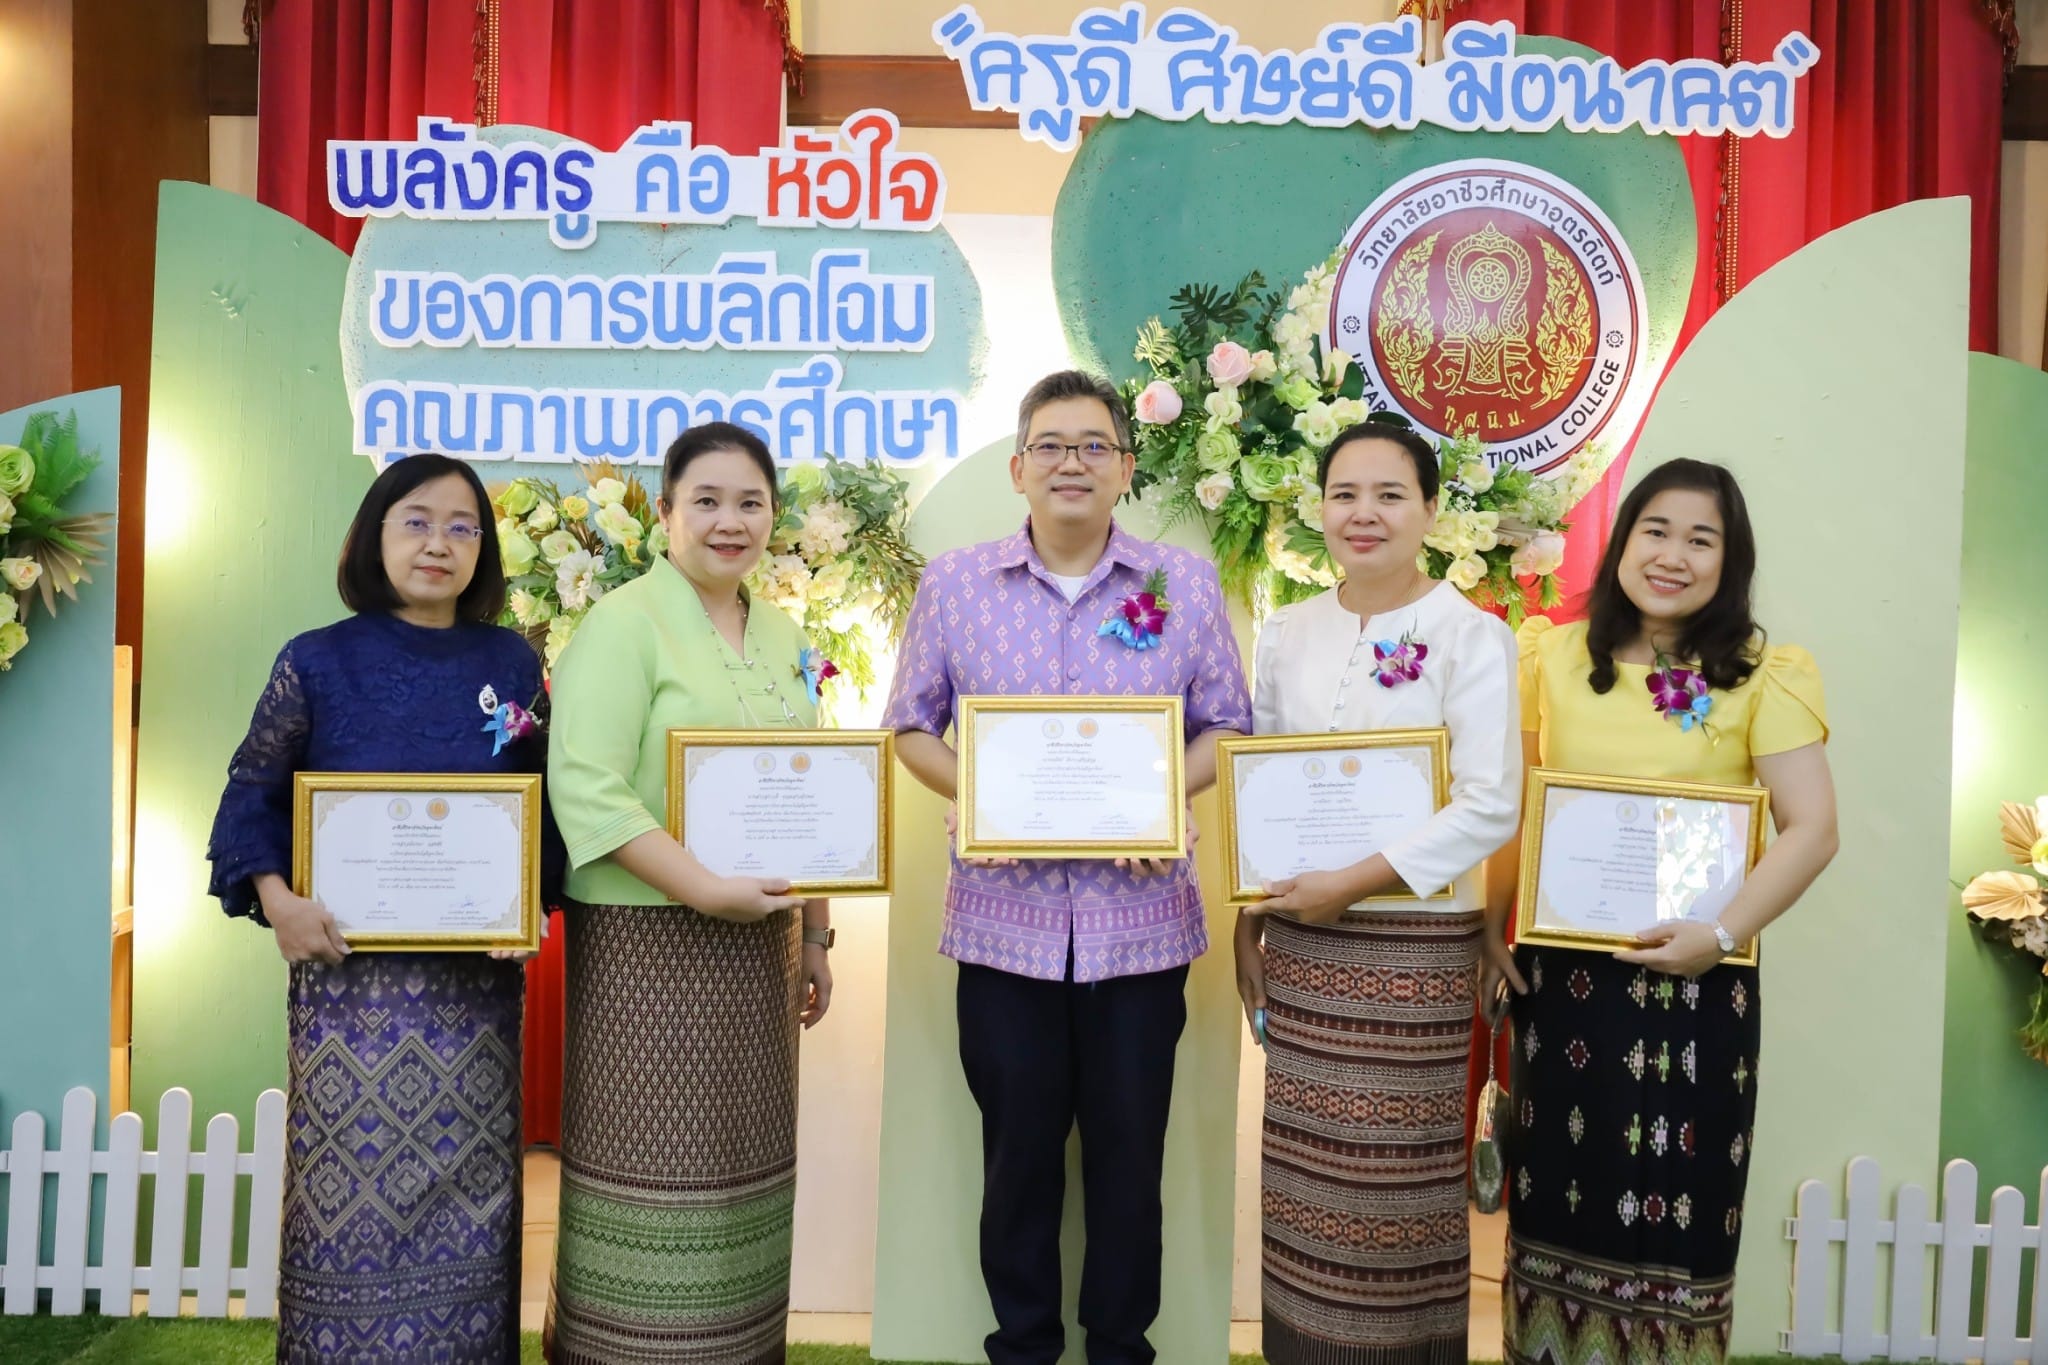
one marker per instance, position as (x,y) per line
(1723,636)
(361,578)
(706,437)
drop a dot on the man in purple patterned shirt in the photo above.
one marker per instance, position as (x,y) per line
(1071,973)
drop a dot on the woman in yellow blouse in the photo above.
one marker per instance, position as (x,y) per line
(1635,1076)
(685,988)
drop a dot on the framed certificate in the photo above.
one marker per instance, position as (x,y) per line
(1604,858)
(1071,777)
(424,862)
(811,806)
(1315,803)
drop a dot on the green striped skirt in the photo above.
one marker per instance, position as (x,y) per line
(678,1139)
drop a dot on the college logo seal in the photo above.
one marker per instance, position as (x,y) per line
(1489,296)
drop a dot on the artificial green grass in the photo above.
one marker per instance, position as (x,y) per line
(92,1340)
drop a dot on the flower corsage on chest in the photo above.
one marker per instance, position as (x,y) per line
(1395,662)
(1139,621)
(814,668)
(1682,694)
(507,722)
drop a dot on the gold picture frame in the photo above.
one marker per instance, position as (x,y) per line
(1536,925)
(683,743)
(522,793)
(1434,744)
(974,712)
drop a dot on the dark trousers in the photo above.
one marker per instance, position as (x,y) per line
(1041,1056)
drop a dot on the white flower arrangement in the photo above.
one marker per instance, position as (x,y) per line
(2013,906)
(1241,402)
(838,562)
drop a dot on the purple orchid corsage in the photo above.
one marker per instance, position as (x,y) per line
(1398,661)
(509,721)
(1139,619)
(815,668)
(1681,694)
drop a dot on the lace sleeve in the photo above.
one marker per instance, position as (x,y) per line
(252,831)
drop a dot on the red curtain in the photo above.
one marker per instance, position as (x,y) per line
(352,69)
(1904,104)
(598,71)
(595,70)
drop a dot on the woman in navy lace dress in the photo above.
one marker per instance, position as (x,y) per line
(402,1175)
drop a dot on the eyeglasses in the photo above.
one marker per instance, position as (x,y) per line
(1053,454)
(419,528)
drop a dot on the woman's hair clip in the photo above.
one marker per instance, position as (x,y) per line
(1381,417)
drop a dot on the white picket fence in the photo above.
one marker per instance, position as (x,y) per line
(1894,1326)
(76,1164)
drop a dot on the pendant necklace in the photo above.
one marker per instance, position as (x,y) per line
(749,679)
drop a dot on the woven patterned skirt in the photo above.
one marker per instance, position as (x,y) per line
(678,1139)
(1367,1241)
(1634,1098)
(402,1166)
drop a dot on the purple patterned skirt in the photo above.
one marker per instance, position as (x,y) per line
(402,1162)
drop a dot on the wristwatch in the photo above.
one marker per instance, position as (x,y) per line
(824,938)
(1724,938)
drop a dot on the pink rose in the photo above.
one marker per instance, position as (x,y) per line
(1159,403)
(1542,556)
(1230,363)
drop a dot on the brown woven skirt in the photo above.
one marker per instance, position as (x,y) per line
(1367,1243)
(678,1139)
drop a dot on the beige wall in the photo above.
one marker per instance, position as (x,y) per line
(35,233)
(906,25)
(2023,219)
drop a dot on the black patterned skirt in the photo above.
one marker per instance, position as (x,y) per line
(1634,1099)
(1366,1236)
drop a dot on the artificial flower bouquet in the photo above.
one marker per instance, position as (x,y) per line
(1241,401)
(2013,906)
(838,560)
(46,551)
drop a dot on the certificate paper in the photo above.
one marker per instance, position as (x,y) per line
(809,807)
(1605,859)
(1071,777)
(1315,803)
(422,862)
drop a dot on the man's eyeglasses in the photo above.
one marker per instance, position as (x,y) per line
(419,528)
(1053,454)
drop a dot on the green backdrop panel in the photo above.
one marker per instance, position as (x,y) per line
(57,825)
(251,487)
(1799,385)
(1994,1098)
(1150,206)
(929,1301)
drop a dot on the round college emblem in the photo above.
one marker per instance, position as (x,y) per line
(1491,297)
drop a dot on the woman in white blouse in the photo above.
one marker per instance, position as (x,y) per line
(1365,1003)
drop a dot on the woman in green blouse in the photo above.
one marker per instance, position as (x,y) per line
(686,988)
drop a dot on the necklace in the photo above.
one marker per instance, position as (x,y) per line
(751,682)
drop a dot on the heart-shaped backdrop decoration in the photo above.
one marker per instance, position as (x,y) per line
(1150,206)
